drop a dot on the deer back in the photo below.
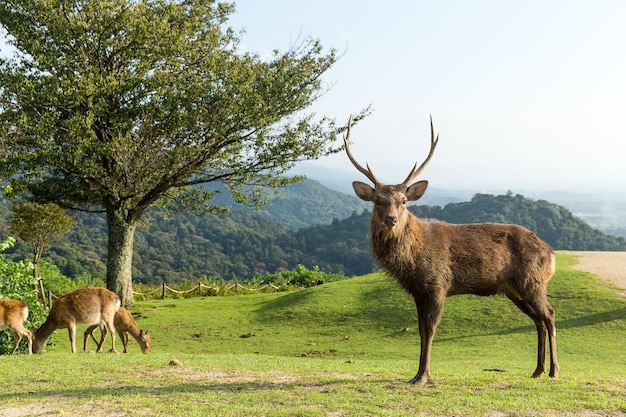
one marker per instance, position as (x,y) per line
(85,306)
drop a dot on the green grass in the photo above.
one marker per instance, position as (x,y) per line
(341,349)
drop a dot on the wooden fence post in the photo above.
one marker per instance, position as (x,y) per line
(163,293)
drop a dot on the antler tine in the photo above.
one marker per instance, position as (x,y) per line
(433,144)
(367,172)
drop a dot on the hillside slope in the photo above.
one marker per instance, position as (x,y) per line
(244,243)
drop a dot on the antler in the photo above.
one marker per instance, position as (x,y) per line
(367,172)
(433,144)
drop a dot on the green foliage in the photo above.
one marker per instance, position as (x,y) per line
(59,284)
(300,277)
(118,105)
(39,225)
(17,282)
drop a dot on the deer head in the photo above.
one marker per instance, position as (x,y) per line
(390,201)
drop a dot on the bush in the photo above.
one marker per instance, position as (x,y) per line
(299,277)
(17,282)
(59,284)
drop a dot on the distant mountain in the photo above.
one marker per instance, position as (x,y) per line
(603,211)
(302,204)
(305,224)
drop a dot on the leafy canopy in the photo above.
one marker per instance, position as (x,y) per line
(123,104)
(39,225)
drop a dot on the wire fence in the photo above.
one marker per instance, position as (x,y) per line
(164,289)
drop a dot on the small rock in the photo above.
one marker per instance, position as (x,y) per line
(175,362)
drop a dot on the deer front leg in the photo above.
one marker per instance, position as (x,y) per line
(89,333)
(124,337)
(109,328)
(429,311)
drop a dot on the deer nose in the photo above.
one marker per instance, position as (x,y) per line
(390,221)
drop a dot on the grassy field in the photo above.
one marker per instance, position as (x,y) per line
(340,349)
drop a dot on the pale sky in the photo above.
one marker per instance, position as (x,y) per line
(526,95)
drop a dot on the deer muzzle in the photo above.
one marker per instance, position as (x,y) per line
(391,221)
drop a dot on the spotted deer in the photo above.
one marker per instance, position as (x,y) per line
(125,325)
(432,260)
(91,306)
(13,314)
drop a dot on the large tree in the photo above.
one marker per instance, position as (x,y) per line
(120,105)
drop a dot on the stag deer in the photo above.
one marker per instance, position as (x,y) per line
(125,325)
(85,306)
(13,314)
(432,260)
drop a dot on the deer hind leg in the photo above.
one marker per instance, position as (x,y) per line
(17,338)
(543,315)
(17,334)
(542,334)
(546,314)
(429,311)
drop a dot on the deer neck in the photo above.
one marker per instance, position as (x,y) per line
(402,245)
(133,330)
(43,333)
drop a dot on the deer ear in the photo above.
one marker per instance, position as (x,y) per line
(416,191)
(363,191)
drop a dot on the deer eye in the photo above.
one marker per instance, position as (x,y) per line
(404,201)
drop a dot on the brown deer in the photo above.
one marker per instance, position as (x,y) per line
(125,325)
(91,306)
(13,314)
(432,260)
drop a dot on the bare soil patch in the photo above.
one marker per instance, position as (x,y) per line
(610,266)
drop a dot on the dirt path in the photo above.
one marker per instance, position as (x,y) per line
(607,265)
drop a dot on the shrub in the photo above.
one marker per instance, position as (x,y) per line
(300,277)
(17,282)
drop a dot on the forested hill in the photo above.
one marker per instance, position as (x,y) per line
(243,243)
(302,204)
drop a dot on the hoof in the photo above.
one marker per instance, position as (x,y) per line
(419,380)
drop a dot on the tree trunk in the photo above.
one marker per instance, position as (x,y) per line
(120,256)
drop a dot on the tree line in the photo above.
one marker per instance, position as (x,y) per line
(242,244)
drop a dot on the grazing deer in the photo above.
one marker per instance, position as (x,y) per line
(432,260)
(125,325)
(13,314)
(91,306)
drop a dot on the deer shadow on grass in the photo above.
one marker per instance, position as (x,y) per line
(570,323)
(396,313)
